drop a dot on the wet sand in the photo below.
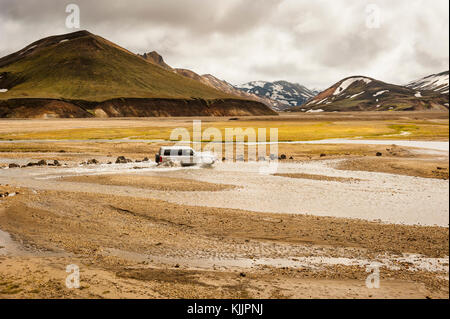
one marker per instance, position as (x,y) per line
(184,251)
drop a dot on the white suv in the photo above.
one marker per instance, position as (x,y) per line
(184,155)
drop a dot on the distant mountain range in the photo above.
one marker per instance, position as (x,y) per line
(285,95)
(84,75)
(359,93)
(279,95)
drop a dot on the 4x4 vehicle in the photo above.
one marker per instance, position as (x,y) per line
(184,155)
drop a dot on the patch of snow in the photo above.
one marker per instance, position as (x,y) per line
(321,101)
(30,48)
(3,90)
(380,92)
(345,84)
(418,94)
(355,95)
(65,40)
(315,111)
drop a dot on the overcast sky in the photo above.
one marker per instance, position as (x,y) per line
(311,42)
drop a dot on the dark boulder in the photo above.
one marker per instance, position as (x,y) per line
(121,160)
(42,163)
(92,161)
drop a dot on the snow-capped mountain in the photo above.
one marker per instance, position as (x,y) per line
(286,94)
(435,82)
(360,93)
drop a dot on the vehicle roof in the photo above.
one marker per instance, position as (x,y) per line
(176,147)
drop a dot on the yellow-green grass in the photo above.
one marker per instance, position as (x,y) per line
(287,131)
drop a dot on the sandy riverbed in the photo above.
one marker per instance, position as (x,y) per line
(308,229)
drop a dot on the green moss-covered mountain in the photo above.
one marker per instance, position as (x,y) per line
(79,72)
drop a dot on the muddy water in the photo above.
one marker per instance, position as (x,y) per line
(375,196)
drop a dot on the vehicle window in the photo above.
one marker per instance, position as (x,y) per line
(188,152)
(180,152)
(167,153)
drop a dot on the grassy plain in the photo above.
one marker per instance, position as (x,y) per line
(290,127)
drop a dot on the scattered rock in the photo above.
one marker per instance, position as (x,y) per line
(242,274)
(7,194)
(379,154)
(121,160)
(92,161)
(42,163)
(13,165)
(55,163)
(223,159)
(323,155)
(291,158)
(234,119)
(145,159)
(283,156)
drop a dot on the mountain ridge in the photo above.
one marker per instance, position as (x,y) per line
(81,66)
(286,94)
(361,93)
